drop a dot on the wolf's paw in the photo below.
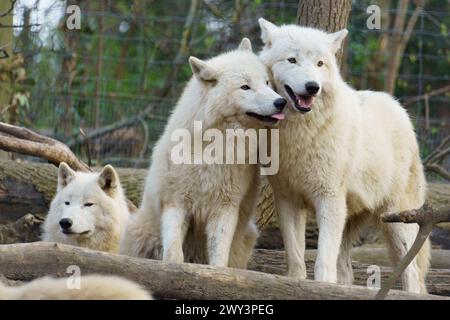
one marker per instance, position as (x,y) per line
(298,273)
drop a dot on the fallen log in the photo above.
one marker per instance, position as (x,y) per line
(440,259)
(26,229)
(437,282)
(28,187)
(174,281)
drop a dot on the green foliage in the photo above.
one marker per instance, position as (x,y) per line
(137,60)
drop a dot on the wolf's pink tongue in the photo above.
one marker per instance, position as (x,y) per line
(278,116)
(305,102)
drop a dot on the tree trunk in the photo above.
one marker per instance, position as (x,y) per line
(6,42)
(28,187)
(172,280)
(377,63)
(328,15)
(68,73)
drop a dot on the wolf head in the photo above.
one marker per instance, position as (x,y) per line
(302,61)
(85,205)
(237,85)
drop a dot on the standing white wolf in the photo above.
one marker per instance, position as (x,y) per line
(203,212)
(89,210)
(347,155)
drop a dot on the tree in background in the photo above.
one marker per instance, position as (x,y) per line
(328,15)
(397,29)
(6,41)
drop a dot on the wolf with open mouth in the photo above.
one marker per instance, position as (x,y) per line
(346,155)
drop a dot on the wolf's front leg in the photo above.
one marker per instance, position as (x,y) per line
(292,225)
(220,233)
(331,216)
(173,231)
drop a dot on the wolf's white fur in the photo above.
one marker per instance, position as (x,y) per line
(98,226)
(92,287)
(204,213)
(351,158)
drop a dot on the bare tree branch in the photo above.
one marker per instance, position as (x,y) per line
(25,141)
(426,218)
(429,94)
(432,162)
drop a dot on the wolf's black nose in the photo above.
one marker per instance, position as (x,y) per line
(280,103)
(312,87)
(65,223)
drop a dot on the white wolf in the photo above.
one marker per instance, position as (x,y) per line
(92,287)
(345,154)
(89,210)
(203,213)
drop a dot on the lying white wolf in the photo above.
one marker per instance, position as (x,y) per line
(345,154)
(89,210)
(207,209)
(92,287)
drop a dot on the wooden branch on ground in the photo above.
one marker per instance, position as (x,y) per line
(28,187)
(25,141)
(437,282)
(25,229)
(426,218)
(171,280)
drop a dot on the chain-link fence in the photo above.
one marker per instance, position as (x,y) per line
(108,88)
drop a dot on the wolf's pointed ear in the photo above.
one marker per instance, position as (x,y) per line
(245,45)
(65,175)
(267,29)
(337,39)
(201,70)
(108,180)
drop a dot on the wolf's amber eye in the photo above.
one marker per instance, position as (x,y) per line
(320,63)
(67,203)
(292,60)
(245,87)
(88,204)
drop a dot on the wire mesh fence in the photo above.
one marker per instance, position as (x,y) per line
(119,76)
